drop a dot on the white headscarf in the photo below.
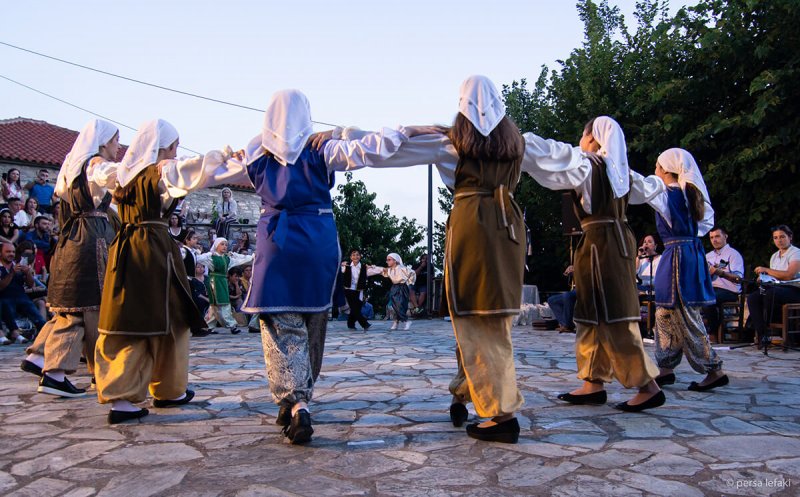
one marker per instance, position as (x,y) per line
(143,150)
(681,163)
(287,127)
(95,134)
(608,133)
(481,103)
(396,258)
(216,243)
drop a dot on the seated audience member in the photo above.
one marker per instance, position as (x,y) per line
(784,265)
(15,207)
(649,255)
(236,293)
(8,230)
(227,213)
(11,187)
(235,288)
(28,254)
(563,307)
(175,228)
(205,245)
(41,235)
(726,266)
(13,299)
(54,216)
(24,219)
(243,244)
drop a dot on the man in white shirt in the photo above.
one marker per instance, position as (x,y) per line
(354,280)
(726,266)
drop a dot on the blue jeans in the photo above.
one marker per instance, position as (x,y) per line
(563,306)
(22,305)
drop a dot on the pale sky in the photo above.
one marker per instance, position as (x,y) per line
(361,63)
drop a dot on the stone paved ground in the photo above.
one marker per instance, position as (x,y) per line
(382,429)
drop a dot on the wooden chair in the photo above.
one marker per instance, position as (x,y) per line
(790,322)
(736,316)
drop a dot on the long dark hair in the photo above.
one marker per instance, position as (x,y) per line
(697,206)
(19,177)
(504,143)
(657,239)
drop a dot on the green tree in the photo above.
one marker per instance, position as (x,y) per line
(375,232)
(718,79)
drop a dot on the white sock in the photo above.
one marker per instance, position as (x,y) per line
(56,374)
(36,359)
(123,405)
(183,396)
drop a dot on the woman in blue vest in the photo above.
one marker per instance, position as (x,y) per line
(297,246)
(682,281)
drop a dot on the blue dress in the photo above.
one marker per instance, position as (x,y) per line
(297,247)
(683,264)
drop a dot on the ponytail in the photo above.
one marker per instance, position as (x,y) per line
(697,206)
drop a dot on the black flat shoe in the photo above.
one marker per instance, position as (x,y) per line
(172,403)
(299,430)
(665,379)
(719,382)
(506,432)
(458,413)
(30,367)
(284,416)
(235,330)
(654,401)
(201,332)
(115,417)
(591,399)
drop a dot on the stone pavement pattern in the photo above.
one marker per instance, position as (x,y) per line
(382,428)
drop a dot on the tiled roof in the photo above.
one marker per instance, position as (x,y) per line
(37,142)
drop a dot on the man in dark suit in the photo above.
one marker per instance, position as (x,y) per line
(354,281)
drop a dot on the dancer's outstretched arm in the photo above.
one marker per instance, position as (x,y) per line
(404,147)
(558,166)
(651,190)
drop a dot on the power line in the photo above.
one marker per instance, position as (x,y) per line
(133,80)
(83,109)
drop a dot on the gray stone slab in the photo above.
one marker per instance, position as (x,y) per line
(7,482)
(324,486)
(533,473)
(436,476)
(642,426)
(611,458)
(63,458)
(583,485)
(380,420)
(361,465)
(731,425)
(748,448)
(654,486)
(81,492)
(43,487)
(153,454)
(143,483)
(669,465)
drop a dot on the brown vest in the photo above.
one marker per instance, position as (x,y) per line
(485,244)
(605,259)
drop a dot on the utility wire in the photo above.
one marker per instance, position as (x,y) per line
(133,80)
(83,109)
